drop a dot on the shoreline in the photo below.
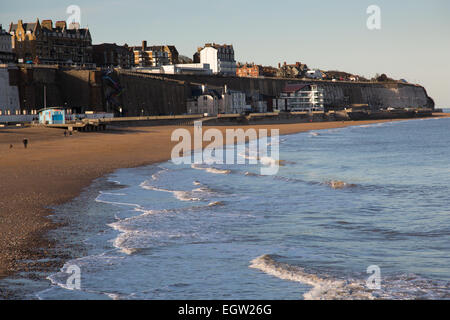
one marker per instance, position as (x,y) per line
(55,170)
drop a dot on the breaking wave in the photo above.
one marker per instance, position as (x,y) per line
(327,288)
(210,169)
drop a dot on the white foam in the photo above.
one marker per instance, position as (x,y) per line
(211,169)
(180,195)
(116,203)
(322,288)
(325,288)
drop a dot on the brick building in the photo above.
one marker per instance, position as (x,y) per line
(255,71)
(6,53)
(172,52)
(144,56)
(111,55)
(43,43)
(249,70)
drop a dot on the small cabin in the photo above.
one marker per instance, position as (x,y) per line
(52,116)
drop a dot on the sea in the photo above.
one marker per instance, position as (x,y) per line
(345,202)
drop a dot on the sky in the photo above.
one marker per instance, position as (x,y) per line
(413,42)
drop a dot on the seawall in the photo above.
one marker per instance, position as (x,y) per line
(132,94)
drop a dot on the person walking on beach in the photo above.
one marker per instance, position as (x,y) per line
(25,142)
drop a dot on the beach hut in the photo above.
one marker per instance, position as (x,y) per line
(52,116)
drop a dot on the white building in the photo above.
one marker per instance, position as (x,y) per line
(220,58)
(217,101)
(233,102)
(192,69)
(9,95)
(300,97)
(260,106)
(315,74)
(205,103)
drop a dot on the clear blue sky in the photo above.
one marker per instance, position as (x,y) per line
(413,42)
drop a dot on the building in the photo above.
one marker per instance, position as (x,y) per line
(315,74)
(6,53)
(233,102)
(219,57)
(297,70)
(249,70)
(45,44)
(144,56)
(215,101)
(107,55)
(189,68)
(172,52)
(203,101)
(52,116)
(255,71)
(300,97)
(269,71)
(258,102)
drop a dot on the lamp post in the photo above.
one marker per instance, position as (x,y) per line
(45,96)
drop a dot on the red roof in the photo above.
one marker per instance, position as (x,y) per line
(290,88)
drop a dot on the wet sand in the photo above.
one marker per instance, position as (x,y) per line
(54,169)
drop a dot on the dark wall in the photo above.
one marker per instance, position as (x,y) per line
(137,94)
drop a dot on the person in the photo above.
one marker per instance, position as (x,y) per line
(65,133)
(25,142)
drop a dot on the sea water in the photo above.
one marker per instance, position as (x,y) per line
(343,200)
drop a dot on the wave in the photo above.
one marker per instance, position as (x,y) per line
(322,288)
(179,194)
(115,203)
(210,169)
(402,287)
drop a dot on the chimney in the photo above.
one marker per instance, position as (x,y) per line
(60,24)
(285,63)
(144,45)
(279,65)
(73,26)
(47,24)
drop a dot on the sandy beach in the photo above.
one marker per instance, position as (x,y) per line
(54,169)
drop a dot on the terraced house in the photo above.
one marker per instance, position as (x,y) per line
(41,43)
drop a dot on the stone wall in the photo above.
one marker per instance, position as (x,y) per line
(139,94)
(9,93)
